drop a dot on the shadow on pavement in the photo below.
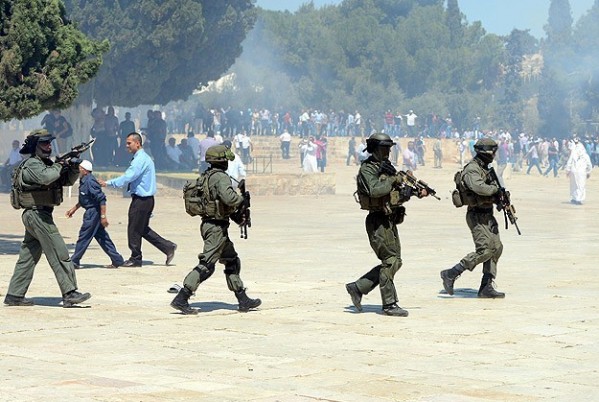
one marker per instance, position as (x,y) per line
(10,244)
(461,293)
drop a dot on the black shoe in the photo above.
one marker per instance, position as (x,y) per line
(245,302)
(76,266)
(448,281)
(395,310)
(355,294)
(181,302)
(488,292)
(131,264)
(74,297)
(11,300)
(170,255)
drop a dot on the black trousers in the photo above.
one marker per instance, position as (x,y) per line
(138,228)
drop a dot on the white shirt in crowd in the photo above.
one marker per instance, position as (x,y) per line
(236,169)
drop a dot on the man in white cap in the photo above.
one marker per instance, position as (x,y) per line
(95,221)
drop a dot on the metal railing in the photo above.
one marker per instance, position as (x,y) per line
(260,164)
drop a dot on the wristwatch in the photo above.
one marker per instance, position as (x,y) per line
(102,216)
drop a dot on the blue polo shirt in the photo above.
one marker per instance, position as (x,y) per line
(140,175)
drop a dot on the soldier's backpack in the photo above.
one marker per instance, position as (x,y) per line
(15,188)
(456,195)
(462,195)
(196,196)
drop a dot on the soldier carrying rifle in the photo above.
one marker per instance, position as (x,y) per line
(216,203)
(479,190)
(382,191)
(37,188)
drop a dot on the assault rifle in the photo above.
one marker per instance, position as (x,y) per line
(504,203)
(417,185)
(408,179)
(242,215)
(73,155)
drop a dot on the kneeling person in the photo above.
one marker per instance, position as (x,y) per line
(221,201)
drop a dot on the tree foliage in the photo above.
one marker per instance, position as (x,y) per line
(374,55)
(43,58)
(162,50)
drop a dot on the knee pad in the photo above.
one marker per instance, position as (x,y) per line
(233,267)
(205,271)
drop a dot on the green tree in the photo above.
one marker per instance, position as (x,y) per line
(586,40)
(162,50)
(454,23)
(559,25)
(43,58)
(554,90)
(512,102)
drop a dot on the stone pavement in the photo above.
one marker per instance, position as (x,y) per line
(306,342)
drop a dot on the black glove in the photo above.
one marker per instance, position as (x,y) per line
(388,168)
(405,192)
(237,217)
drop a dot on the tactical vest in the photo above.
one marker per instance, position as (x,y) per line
(386,204)
(201,201)
(462,195)
(34,195)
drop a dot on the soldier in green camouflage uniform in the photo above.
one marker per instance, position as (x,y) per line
(479,193)
(223,201)
(37,188)
(382,195)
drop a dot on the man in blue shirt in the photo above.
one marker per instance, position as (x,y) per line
(140,177)
(93,200)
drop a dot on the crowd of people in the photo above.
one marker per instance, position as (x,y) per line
(381,190)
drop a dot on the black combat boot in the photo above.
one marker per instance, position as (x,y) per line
(449,276)
(11,300)
(487,291)
(74,297)
(355,294)
(394,310)
(245,303)
(181,302)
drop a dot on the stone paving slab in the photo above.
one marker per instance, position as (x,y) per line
(306,342)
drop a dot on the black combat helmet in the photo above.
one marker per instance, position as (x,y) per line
(378,140)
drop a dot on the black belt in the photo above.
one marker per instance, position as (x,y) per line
(140,197)
(482,210)
(41,208)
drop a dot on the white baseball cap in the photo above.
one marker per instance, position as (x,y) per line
(87,165)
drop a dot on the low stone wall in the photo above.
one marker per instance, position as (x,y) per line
(264,184)
(292,184)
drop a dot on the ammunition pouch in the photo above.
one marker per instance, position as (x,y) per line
(371,204)
(43,196)
(387,204)
(456,198)
(398,214)
(50,197)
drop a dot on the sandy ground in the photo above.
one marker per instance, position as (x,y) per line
(306,342)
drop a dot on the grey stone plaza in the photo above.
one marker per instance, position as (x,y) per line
(306,342)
